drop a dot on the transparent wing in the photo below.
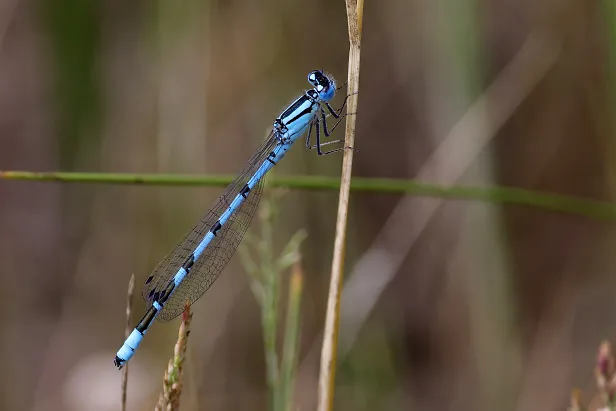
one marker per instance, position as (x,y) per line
(219,251)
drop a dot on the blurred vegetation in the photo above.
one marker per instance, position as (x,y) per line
(266,270)
(74,37)
(450,304)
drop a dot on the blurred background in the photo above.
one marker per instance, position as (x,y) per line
(448,304)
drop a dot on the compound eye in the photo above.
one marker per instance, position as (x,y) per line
(315,77)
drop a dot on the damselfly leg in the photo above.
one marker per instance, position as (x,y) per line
(338,116)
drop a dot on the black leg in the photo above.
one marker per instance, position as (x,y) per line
(308,137)
(336,113)
(318,125)
(319,152)
(323,117)
(332,111)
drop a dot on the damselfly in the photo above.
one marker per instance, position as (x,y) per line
(189,270)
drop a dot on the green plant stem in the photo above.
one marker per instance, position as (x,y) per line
(270,301)
(597,210)
(288,365)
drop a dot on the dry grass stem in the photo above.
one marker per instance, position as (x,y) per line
(128,329)
(327,375)
(169,399)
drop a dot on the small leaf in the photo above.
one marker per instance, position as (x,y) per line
(290,254)
(247,262)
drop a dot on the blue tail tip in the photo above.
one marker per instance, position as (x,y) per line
(118,362)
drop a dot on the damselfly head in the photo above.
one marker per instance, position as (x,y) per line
(323,84)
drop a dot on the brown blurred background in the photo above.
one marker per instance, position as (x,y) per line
(448,305)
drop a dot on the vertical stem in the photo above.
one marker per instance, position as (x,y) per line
(129,305)
(288,364)
(609,11)
(330,338)
(270,303)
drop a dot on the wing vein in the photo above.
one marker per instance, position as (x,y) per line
(217,254)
